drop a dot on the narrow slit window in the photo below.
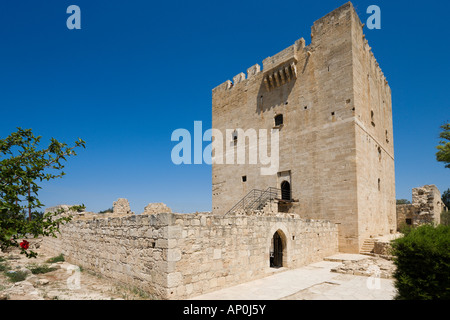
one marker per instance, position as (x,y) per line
(244,179)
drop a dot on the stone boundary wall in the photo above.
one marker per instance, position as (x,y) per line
(179,256)
(131,250)
(212,252)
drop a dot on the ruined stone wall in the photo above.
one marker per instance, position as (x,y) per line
(429,203)
(426,207)
(177,256)
(405,213)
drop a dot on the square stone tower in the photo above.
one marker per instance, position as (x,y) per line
(332,106)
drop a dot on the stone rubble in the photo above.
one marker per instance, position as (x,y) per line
(370,267)
(155,208)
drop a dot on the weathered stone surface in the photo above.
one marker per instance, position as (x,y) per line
(154,208)
(188,251)
(426,207)
(121,207)
(371,267)
(336,143)
(43,282)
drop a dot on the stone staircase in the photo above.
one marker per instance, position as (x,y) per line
(257,200)
(368,247)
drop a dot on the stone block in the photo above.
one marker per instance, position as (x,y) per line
(217,254)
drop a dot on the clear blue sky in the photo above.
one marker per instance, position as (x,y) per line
(138,70)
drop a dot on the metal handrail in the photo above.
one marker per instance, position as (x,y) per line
(251,195)
(257,198)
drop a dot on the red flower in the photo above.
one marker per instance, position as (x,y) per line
(25,244)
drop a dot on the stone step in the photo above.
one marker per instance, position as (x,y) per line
(368,246)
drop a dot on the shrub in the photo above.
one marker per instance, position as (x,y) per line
(40,269)
(405,229)
(16,276)
(110,210)
(422,259)
(59,258)
(4,267)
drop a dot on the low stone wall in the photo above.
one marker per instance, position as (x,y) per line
(383,245)
(129,249)
(178,256)
(383,248)
(212,252)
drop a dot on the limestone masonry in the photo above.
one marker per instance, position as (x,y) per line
(177,256)
(336,132)
(334,190)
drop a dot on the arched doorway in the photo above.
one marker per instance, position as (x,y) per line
(286,191)
(276,255)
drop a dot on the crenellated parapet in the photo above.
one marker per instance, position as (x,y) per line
(277,70)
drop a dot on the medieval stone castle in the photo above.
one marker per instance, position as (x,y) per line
(336,140)
(334,189)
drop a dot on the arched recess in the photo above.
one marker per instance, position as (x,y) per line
(282,231)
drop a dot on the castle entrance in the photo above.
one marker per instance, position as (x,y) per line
(286,191)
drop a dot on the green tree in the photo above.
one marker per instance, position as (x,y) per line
(446,198)
(445,215)
(403,201)
(443,154)
(22,166)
